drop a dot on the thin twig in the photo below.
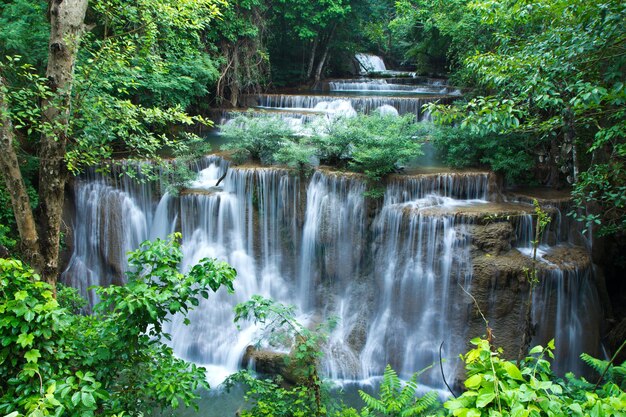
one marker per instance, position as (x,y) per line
(221,178)
(442,374)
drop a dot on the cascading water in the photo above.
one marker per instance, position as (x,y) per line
(333,235)
(419,261)
(112,217)
(393,271)
(364,104)
(244,224)
(567,307)
(370,63)
(392,275)
(383,86)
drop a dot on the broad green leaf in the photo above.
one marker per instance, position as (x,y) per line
(32,355)
(473,381)
(485,398)
(513,371)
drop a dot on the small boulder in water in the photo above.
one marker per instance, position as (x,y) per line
(387,110)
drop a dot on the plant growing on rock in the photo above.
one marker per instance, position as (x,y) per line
(280,326)
(255,138)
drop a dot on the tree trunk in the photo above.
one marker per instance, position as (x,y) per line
(234,86)
(309,69)
(570,140)
(66,28)
(320,65)
(20,202)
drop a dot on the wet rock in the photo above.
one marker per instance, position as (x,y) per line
(264,361)
(273,363)
(499,286)
(493,238)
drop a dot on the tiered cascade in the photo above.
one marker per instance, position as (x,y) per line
(395,271)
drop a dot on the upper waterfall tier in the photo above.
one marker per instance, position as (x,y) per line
(379,85)
(360,103)
(370,63)
(299,117)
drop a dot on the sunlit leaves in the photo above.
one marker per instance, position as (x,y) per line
(62,363)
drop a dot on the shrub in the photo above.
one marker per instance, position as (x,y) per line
(256,138)
(53,361)
(509,155)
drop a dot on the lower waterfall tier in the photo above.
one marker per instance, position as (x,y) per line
(394,271)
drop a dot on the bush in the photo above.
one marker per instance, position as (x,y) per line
(504,388)
(255,138)
(372,144)
(53,361)
(510,155)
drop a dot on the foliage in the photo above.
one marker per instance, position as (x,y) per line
(299,33)
(239,42)
(139,67)
(397,400)
(281,327)
(24,30)
(603,188)
(507,155)
(384,143)
(53,361)
(273,398)
(296,153)
(257,138)
(554,70)
(9,237)
(497,387)
(372,144)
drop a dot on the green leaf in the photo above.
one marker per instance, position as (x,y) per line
(513,371)
(20,295)
(473,381)
(25,339)
(88,400)
(32,355)
(75,398)
(484,398)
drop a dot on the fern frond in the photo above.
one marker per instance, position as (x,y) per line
(371,403)
(596,364)
(422,404)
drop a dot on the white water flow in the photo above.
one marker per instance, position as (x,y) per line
(567,309)
(392,273)
(384,86)
(370,63)
(243,225)
(358,103)
(112,217)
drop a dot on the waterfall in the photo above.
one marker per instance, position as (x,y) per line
(420,260)
(566,307)
(112,217)
(391,272)
(462,186)
(370,63)
(364,104)
(333,234)
(384,86)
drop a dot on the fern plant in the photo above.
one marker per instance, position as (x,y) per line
(397,400)
(609,371)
